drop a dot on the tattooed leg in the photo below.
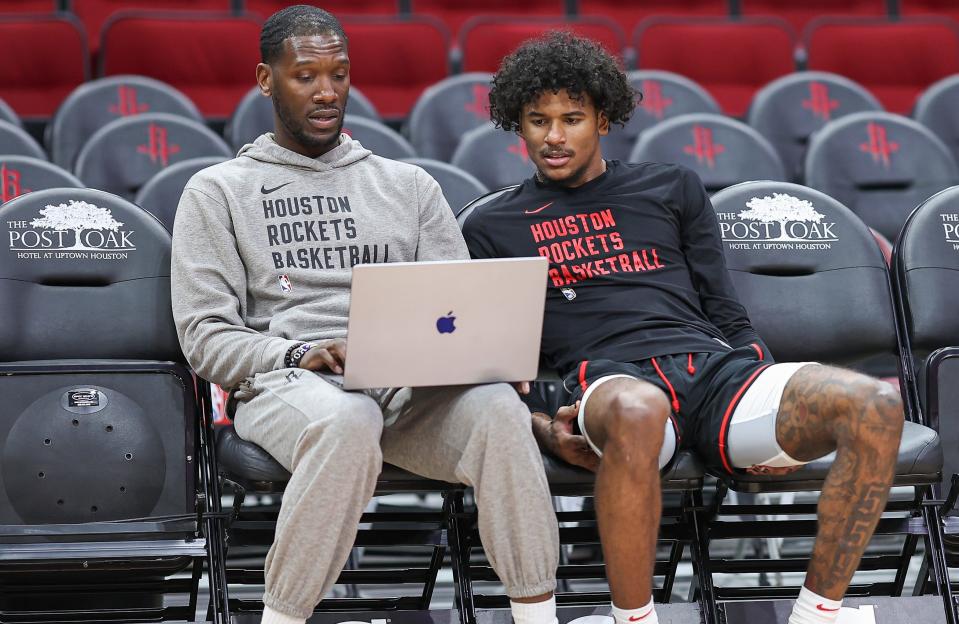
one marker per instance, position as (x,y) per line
(825,409)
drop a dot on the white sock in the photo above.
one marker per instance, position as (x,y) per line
(272,616)
(644,615)
(543,612)
(811,608)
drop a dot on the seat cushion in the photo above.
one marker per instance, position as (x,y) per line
(685,473)
(250,466)
(920,462)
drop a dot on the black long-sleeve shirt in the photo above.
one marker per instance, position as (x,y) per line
(636,267)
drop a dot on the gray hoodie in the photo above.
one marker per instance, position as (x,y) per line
(264,245)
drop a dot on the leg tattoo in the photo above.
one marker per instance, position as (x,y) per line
(825,409)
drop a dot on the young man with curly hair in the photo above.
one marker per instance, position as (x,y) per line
(263,251)
(655,349)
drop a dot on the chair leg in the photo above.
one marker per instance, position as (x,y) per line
(699,548)
(937,555)
(459,543)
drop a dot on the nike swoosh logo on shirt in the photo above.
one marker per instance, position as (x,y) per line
(822,608)
(540,209)
(267,191)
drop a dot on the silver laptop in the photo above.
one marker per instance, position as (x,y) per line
(444,323)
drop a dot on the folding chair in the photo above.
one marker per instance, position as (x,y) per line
(446,111)
(161,194)
(378,137)
(790,109)
(459,187)
(722,151)
(925,272)
(664,95)
(497,158)
(14,141)
(94,104)
(246,469)
(681,484)
(108,507)
(816,288)
(23,174)
(936,108)
(880,165)
(121,156)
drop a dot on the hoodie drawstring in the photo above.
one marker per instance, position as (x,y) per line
(689,364)
(672,391)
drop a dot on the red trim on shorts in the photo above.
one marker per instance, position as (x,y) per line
(582,374)
(759,351)
(689,364)
(724,428)
(672,391)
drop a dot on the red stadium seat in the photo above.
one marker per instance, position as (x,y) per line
(484,41)
(455,14)
(339,8)
(800,13)
(629,14)
(943,8)
(395,60)
(210,57)
(95,13)
(49,59)
(896,60)
(732,59)
(27,6)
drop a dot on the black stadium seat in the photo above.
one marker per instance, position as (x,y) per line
(936,110)
(94,104)
(23,174)
(161,194)
(880,165)
(789,109)
(446,111)
(497,158)
(926,280)
(121,156)
(664,95)
(721,150)
(14,141)
(105,478)
(254,115)
(459,187)
(7,114)
(816,288)
(378,137)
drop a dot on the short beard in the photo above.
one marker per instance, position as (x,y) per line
(297,133)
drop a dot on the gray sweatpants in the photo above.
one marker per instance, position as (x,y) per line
(334,443)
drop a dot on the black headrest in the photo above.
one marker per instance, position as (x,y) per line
(497,158)
(722,151)
(808,271)
(84,274)
(881,165)
(447,110)
(927,263)
(121,156)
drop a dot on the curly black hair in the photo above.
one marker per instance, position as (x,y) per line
(295,21)
(560,60)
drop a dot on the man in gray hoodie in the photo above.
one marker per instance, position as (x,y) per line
(263,249)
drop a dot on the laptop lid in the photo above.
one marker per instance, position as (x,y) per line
(445,323)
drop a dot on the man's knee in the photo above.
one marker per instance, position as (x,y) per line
(636,422)
(875,414)
(352,431)
(497,407)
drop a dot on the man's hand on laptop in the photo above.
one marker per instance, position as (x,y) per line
(326,355)
(522,387)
